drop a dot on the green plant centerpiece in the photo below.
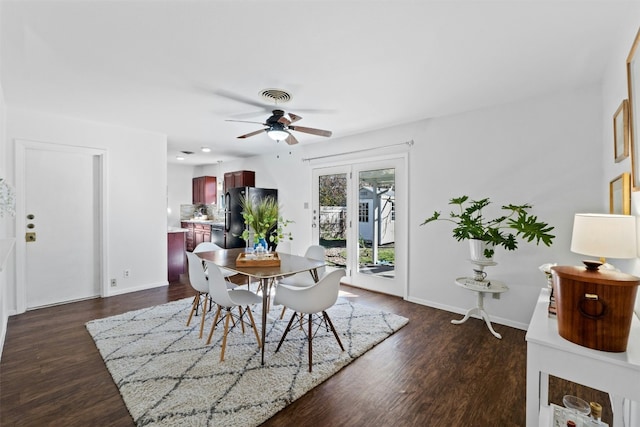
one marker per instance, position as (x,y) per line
(503,231)
(263,220)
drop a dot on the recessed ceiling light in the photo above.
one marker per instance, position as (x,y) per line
(179,158)
(206,149)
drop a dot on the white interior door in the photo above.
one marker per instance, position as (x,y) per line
(61,207)
(360,216)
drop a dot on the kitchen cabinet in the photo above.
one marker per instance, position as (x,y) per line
(204,190)
(201,233)
(239,179)
(177,261)
(196,234)
(189,235)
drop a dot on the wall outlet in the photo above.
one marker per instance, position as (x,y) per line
(114,283)
(127,273)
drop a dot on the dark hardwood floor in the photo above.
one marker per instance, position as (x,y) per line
(430,373)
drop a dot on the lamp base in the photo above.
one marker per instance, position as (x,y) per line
(591,265)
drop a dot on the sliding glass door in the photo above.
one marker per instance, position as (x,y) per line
(359,217)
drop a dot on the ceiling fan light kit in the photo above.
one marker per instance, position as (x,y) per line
(278,134)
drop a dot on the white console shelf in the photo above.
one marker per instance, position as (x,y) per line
(549,354)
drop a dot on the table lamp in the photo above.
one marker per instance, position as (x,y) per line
(603,236)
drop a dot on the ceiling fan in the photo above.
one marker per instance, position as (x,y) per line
(279,125)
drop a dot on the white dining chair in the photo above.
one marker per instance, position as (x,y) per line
(200,284)
(284,246)
(305,279)
(210,246)
(309,305)
(227,299)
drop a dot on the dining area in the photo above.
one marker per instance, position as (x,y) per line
(307,289)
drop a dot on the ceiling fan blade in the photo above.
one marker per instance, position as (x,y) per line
(294,117)
(240,98)
(311,130)
(245,121)
(247,135)
(291,140)
(285,121)
(288,120)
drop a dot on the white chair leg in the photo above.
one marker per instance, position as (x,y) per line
(196,301)
(224,338)
(213,326)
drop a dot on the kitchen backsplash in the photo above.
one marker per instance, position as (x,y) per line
(212,212)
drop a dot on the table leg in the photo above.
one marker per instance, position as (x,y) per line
(485,316)
(471,311)
(479,310)
(265,285)
(314,275)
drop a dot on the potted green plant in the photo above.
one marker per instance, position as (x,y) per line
(517,222)
(263,220)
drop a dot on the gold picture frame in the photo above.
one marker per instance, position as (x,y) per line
(621,132)
(620,195)
(633,88)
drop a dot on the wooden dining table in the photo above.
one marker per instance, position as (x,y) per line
(289,264)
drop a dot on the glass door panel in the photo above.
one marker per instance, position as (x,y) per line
(330,208)
(376,222)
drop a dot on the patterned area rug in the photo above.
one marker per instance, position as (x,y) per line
(167,376)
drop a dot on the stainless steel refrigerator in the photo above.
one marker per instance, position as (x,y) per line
(233,221)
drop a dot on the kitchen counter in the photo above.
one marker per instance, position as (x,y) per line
(203,221)
(176,230)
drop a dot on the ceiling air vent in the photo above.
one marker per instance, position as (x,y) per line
(275,95)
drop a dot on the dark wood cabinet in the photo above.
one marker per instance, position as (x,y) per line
(204,190)
(177,260)
(239,179)
(189,235)
(196,234)
(201,233)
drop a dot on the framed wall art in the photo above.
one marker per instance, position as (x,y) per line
(633,87)
(620,195)
(621,132)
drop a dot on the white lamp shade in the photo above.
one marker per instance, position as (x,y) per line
(604,236)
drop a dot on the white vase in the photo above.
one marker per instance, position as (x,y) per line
(477,248)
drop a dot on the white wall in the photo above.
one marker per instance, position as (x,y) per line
(614,90)
(539,152)
(179,188)
(136,191)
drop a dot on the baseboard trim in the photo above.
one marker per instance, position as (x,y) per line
(120,291)
(458,310)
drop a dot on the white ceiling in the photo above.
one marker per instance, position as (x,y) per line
(182,68)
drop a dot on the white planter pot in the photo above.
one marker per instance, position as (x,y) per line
(477,248)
